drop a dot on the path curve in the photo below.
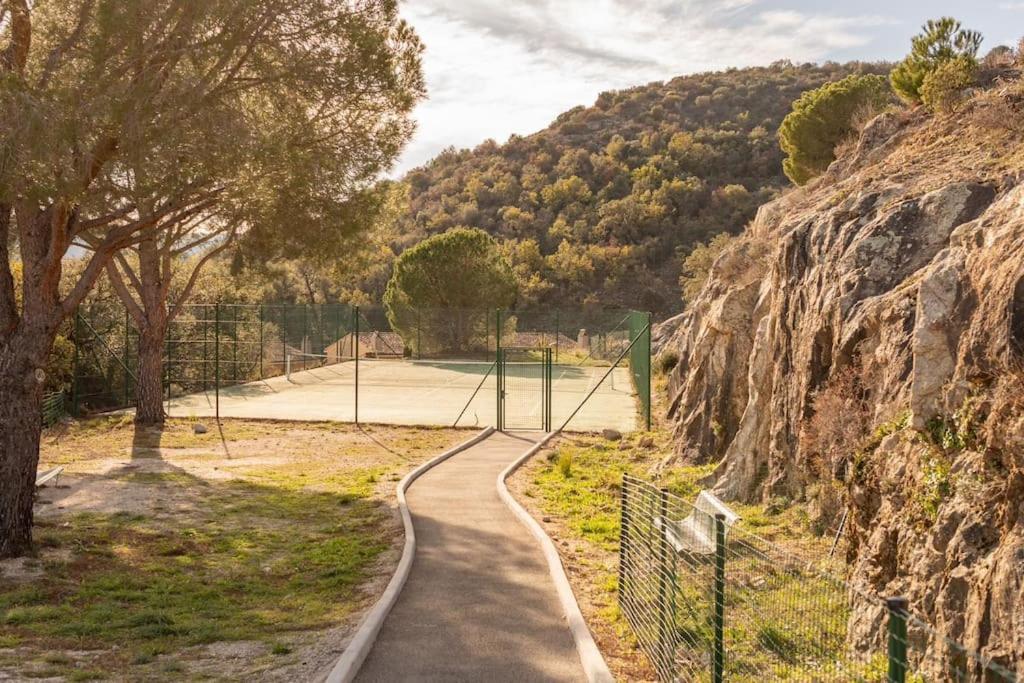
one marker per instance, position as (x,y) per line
(479,603)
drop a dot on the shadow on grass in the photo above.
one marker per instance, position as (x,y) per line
(209,560)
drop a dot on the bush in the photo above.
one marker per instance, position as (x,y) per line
(697,266)
(565,464)
(943,88)
(941,41)
(823,118)
(667,362)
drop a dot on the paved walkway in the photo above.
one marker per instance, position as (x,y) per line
(479,604)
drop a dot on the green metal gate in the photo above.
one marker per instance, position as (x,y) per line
(524,388)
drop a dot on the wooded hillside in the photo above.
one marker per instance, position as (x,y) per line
(601,206)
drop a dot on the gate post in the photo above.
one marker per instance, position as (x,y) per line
(216,359)
(355,327)
(718,664)
(500,367)
(76,340)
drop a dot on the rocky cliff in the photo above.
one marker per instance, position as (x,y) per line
(862,346)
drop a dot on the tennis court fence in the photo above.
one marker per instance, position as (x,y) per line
(213,347)
(709,600)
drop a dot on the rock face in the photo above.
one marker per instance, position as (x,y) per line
(894,282)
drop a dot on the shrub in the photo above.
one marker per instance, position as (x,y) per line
(839,425)
(823,118)
(565,464)
(697,266)
(999,57)
(941,41)
(943,88)
(667,362)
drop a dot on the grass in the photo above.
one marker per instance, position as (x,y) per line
(771,613)
(282,547)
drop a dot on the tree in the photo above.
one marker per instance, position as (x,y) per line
(124,125)
(823,118)
(441,284)
(940,41)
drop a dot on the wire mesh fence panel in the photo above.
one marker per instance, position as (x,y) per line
(455,333)
(524,388)
(216,354)
(104,357)
(709,601)
(54,407)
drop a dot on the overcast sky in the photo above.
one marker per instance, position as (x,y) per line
(497,67)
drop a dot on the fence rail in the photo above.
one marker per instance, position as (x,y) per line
(709,601)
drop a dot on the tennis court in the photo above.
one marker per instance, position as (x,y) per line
(419,392)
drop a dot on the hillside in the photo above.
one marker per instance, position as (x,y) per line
(861,348)
(600,206)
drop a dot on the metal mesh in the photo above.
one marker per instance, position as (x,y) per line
(709,601)
(218,346)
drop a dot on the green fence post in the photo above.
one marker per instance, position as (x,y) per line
(419,343)
(557,325)
(234,344)
(355,349)
(500,367)
(216,360)
(647,398)
(261,341)
(718,663)
(127,382)
(897,639)
(75,340)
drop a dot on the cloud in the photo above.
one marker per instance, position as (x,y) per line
(495,67)
(1011,5)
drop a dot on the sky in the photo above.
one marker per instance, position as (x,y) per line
(497,67)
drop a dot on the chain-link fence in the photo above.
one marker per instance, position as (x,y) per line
(365,357)
(710,601)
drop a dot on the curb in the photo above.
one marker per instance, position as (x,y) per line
(594,666)
(362,642)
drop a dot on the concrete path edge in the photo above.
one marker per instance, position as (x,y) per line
(359,647)
(594,666)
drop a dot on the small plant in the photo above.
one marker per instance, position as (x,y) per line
(667,362)
(280,649)
(565,464)
(935,484)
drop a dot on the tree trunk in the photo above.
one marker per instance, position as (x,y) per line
(149,406)
(21,393)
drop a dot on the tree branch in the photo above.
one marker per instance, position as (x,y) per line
(53,60)
(117,282)
(15,55)
(193,278)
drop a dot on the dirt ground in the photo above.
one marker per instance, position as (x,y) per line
(234,486)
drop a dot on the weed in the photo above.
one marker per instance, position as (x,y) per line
(565,464)
(280,649)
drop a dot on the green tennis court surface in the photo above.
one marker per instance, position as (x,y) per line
(416,392)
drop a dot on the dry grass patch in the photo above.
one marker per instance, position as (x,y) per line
(248,551)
